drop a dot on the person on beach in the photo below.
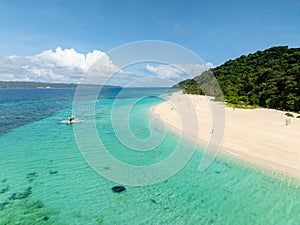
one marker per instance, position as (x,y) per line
(287,122)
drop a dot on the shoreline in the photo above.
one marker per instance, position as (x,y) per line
(258,137)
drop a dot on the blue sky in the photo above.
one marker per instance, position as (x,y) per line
(62,39)
(215,30)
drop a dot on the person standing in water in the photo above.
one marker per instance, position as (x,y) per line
(71,118)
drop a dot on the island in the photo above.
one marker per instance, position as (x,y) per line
(22,84)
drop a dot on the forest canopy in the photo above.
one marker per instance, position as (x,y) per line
(269,78)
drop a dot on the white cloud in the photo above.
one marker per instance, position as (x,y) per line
(151,82)
(178,72)
(179,29)
(69,66)
(62,65)
(164,71)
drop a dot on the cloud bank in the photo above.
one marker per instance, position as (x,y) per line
(61,65)
(178,72)
(69,66)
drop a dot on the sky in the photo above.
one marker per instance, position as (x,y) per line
(58,30)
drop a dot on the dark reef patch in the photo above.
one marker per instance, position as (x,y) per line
(31,176)
(3,204)
(51,172)
(21,195)
(5,189)
(46,218)
(118,189)
(153,201)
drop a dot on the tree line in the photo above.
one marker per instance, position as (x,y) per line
(269,78)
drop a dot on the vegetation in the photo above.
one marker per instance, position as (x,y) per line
(241,105)
(269,78)
(289,114)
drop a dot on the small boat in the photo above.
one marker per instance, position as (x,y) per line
(72,119)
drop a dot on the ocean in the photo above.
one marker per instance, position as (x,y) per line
(44,178)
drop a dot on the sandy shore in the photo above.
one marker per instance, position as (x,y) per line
(258,136)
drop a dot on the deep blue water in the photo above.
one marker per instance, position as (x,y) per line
(22,106)
(19,107)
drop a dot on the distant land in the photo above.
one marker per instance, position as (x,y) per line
(20,84)
(269,78)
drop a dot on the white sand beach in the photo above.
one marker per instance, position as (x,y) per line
(263,137)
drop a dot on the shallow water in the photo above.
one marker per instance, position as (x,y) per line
(41,163)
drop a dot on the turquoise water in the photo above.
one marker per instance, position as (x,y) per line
(45,180)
